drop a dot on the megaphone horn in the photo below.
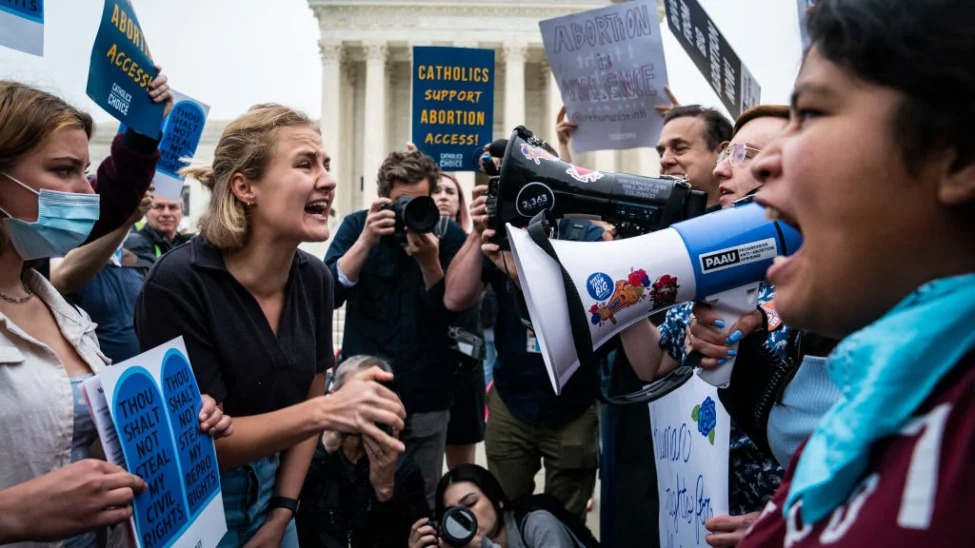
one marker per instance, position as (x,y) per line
(581,294)
(534,179)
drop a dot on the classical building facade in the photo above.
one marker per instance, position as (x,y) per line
(366,48)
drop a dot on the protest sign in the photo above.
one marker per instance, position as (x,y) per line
(609,65)
(690,445)
(453,104)
(803,7)
(713,56)
(22,25)
(146,412)
(122,69)
(182,130)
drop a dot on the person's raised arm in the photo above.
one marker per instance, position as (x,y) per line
(425,250)
(463,278)
(81,264)
(563,131)
(641,342)
(123,178)
(379,222)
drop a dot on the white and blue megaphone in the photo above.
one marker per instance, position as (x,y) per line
(580,294)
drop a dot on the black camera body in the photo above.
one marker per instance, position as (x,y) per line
(533,179)
(457,527)
(419,213)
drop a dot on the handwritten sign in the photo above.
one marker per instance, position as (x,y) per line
(453,104)
(22,25)
(146,410)
(609,65)
(182,130)
(690,445)
(710,51)
(122,69)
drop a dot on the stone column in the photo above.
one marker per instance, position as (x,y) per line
(331,121)
(514,85)
(374,146)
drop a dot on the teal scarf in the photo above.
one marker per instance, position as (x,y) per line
(885,372)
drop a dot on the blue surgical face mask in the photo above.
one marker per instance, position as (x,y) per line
(63,222)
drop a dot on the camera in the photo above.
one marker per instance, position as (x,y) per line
(419,213)
(457,527)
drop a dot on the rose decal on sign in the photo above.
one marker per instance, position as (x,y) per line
(706,418)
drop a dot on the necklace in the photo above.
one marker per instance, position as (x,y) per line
(19,300)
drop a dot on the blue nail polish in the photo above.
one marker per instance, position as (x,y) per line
(719,323)
(732,353)
(735,337)
(722,361)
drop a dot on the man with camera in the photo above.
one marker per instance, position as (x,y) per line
(390,268)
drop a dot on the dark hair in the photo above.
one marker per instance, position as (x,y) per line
(480,477)
(923,49)
(406,167)
(718,127)
(760,111)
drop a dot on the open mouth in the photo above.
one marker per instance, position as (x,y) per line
(318,208)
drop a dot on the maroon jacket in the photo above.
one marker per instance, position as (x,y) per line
(123,179)
(919,489)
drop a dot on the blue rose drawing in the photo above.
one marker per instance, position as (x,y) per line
(706,418)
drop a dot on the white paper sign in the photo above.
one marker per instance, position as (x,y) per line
(146,411)
(609,64)
(22,25)
(690,442)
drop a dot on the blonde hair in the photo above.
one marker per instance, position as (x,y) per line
(28,116)
(245,147)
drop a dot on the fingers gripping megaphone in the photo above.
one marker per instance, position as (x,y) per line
(580,294)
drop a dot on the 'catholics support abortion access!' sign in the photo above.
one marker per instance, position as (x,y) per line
(146,410)
(609,64)
(453,104)
(22,25)
(122,69)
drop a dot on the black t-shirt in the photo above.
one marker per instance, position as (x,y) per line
(235,355)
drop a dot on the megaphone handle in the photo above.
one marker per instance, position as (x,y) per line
(729,306)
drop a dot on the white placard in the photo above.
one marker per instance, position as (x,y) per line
(22,26)
(146,411)
(609,65)
(690,442)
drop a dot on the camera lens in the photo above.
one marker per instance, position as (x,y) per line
(458,526)
(421,214)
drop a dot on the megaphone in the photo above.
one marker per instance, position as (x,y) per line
(534,179)
(580,294)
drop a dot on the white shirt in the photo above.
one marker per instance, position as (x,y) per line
(36,404)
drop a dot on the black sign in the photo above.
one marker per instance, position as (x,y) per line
(712,54)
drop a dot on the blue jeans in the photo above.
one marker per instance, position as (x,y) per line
(246,492)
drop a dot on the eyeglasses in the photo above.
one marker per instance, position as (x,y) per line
(737,154)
